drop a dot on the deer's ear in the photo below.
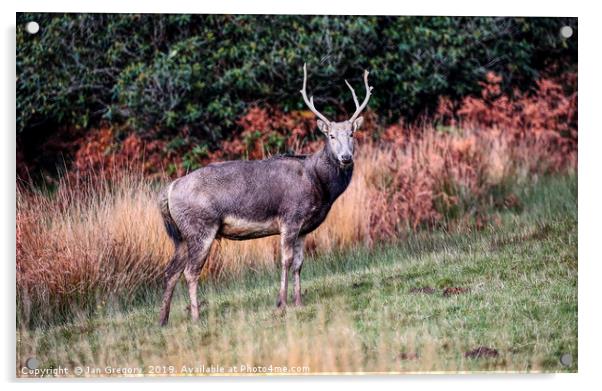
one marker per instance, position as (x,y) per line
(323,126)
(358,123)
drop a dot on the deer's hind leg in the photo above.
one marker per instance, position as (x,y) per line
(172,274)
(288,238)
(198,250)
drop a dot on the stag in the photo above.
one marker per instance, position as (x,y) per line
(240,200)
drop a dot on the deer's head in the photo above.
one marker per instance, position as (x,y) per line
(339,134)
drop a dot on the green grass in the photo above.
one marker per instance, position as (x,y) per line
(362,312)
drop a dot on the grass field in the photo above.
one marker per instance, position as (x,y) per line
(426,303)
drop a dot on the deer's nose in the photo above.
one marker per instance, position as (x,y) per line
(346,159)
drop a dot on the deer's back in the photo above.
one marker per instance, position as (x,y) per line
(248,199)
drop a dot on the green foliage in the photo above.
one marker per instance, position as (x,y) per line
(191,160)
(200,72)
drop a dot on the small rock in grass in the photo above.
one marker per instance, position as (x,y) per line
(482,352)
(454,290)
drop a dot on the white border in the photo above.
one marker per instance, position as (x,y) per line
(337,7)
(590,164)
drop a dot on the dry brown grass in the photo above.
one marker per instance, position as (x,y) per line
(95,239)
(98,239)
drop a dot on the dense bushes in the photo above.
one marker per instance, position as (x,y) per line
(196,74)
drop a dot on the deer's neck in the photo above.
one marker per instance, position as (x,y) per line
(331,178)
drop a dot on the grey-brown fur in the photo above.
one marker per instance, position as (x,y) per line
(239,200)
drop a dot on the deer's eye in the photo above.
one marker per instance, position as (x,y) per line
(332,137)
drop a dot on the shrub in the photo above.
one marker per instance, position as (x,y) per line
(454,169)
(197,74)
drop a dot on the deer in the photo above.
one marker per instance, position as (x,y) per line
(286,195)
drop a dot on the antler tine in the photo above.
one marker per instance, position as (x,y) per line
(310,102)
(359,108)
(357,104)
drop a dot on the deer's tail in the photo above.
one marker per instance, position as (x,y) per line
(170,225)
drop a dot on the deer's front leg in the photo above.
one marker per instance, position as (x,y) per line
(297,265)
(288,237)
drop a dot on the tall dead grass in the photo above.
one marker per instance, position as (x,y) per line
(88,242)
(97,239)
(100,239)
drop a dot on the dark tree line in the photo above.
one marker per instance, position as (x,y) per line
(164,73)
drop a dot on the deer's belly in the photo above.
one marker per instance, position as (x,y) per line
(241,229)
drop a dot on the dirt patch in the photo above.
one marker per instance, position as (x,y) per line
(454,290)
(482,352)
(362,284)
(408,356)
(425,289)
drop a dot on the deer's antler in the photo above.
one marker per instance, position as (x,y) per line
(310,102)
(358,108)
